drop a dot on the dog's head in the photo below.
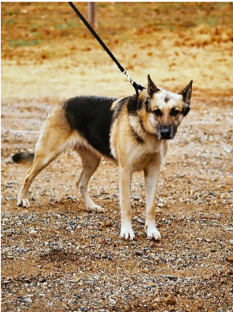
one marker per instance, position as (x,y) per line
(162,111)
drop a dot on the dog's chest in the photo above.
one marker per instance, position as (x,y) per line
(144,154)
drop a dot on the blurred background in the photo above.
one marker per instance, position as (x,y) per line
(48,53)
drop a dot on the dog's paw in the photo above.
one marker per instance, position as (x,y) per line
(95,208)
(127,232)
(153,233)
(23,203)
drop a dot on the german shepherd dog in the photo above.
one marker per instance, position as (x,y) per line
(132,131)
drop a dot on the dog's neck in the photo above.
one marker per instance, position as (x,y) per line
(139,130)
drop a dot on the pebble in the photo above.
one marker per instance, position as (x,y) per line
(140,221)
(172,278)
(170,300)
(230,258)
(135,196)
(26,299)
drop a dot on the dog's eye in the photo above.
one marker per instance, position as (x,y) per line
(174,112)
(157,112)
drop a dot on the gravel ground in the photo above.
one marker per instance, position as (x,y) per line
(56,256)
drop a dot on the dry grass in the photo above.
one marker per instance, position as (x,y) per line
(67,59)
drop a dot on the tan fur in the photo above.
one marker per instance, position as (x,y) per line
(133,157)
(135,146)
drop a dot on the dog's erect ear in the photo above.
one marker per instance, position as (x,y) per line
(151,88)
(187,92)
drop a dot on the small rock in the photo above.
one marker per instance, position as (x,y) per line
(26,299)
(230,258)
(135,196)
(158,300)
(229,272)
(112,301)
(170,300)
(108,224)
(171,277)
(140,221)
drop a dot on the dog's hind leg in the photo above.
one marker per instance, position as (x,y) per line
(54,135)
(90,162)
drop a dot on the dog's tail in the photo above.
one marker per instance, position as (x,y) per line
(23,158)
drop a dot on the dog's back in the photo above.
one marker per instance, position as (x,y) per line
(91,116)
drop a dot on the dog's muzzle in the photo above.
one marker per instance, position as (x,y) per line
(166,132)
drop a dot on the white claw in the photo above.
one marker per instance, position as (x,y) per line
(127,232)
(153,233)
(95,208)
(23,203)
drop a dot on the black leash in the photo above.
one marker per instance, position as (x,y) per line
(133,83)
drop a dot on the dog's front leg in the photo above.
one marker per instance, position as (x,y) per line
(125,175)
(151,180)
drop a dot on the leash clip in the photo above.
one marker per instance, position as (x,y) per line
(133,83)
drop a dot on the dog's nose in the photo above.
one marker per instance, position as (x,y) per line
(165,133)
